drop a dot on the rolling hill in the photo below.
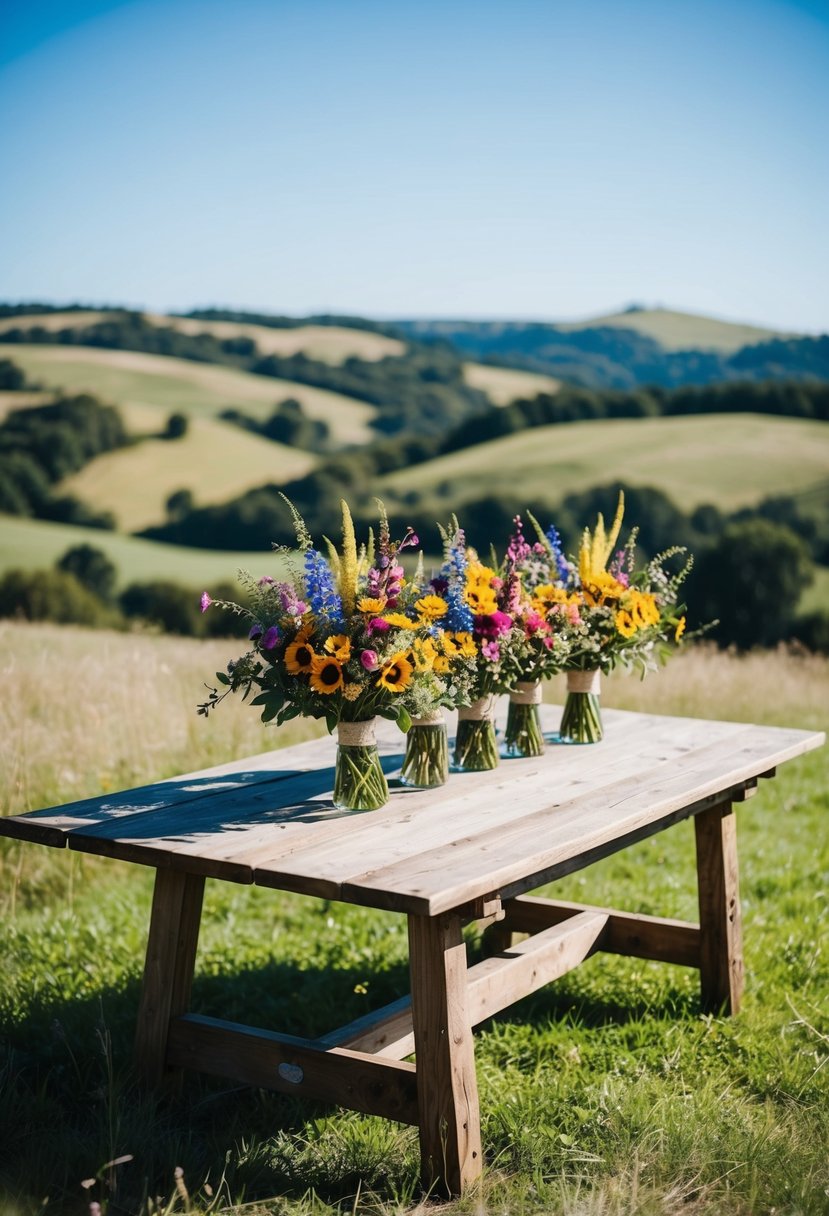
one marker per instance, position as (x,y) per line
(199,389)
(726,459)
(680,330)
(505,384)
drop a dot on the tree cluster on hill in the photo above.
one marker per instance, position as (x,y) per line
(288,424)
(271,321)
(41,445)
(12,377)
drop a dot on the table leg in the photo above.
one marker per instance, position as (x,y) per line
(447,1088)
(721,934)
(168,970)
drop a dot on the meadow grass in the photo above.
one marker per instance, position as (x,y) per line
(125,377)
(606,1093)
(35,544)
(683,330)
(215,460)
(730,460)
(505,384)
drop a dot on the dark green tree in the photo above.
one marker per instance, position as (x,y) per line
(92,568)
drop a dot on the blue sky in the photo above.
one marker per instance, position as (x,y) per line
(529,159)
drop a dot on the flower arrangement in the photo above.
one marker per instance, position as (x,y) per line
(348,639)
(617,614)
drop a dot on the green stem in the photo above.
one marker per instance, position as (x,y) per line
(523,736)
(475,746)
(581,719)
(426,763)
(359,780)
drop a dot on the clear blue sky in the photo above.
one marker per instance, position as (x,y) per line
(525,158)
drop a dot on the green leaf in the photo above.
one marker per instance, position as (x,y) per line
(270,712)
(404,718)
(222,678)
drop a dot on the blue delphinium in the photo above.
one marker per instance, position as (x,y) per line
(562,565)
(321,590)
(453,575)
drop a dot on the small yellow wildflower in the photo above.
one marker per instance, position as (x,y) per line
(625,624)
(680,629)
(371,607)
(399,620)
(352,691)
(339,645)
(431,607)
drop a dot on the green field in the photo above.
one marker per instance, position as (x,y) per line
(328,343)
(200,389)
(608,1093)
(215,460)
(33,544)
(505,384)
(729,460)
(682,330)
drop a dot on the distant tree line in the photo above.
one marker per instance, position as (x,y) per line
(271,321)
(288,424)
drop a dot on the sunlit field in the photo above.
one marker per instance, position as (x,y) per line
(606,1093)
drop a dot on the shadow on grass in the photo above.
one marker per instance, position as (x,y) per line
(69,1102)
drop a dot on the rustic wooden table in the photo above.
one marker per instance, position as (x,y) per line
(470,850)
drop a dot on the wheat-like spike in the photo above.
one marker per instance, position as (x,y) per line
(597,553)
(420,572)
(586,557)
(333,558)
(348,564)
(616,528)
(370,549)
(303,536)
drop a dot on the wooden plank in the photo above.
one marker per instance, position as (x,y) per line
(168,969)
(447,1088)
(721,944)
(294,1066)
(548,841)
(502,979)
(633,934)
(385,1032)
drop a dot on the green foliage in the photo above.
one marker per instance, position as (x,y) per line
(169,606)
(288,424)
(92,568)
(12,377)
(177,426)
(51,595)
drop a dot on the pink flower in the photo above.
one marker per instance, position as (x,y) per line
(369,660)
(491,651)
(493,625)
(377,625)
(534,622)
(206,601)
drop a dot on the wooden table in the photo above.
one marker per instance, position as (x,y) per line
(470,850)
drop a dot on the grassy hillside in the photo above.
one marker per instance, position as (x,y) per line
(10,400)
(729,460)
(328,343)
(215,461)
(33,544)
(205,389)
(681,330)
(505,384)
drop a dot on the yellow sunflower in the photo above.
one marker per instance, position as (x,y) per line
(326,674)
(396,674)
(398,620)
(371,607)
(431,607)
(299,656)
(339,645)
(466,644)
(423,654)
(625,624)
(480,597)
(601,588)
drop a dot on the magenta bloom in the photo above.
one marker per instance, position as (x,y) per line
(377,625)
(369,660)
(534,622)
(493,625)
(491,651)
(206,601)
(270,639)
(265,580)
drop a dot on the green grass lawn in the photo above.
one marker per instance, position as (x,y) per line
(178,385)
(33,544)
(607,1093)
(683,330)
(729,460)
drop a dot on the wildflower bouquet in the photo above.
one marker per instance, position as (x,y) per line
(617,615)
(478,602)
(541,648)
(348,639)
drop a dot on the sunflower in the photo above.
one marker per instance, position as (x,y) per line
(299,656)
(339,645)
(431,607)
(326,674)
(602,587)
(396,674)
(423,654)
(372,607)
(398,620)
(480,597)
(466,644)
(625,624)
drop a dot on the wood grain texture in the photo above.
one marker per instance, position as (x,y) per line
(168,969)
(720,918)
(294,1066)
(447,1088)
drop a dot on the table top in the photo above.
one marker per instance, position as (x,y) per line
(269,819)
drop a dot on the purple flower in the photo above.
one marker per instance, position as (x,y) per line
(271,638)
(206,601)
(255,632)
(493,624)
(369,660)
(265,580)
(377,625)
(491,651)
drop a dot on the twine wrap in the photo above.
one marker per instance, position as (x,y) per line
(584,681)
(526,692)
(434,719)
(479,710)
(356,734)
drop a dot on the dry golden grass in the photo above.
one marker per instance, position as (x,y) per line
(53,321)
(505,384)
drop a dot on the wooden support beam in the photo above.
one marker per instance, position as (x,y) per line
(721,934)
(294,1066)
(447,1089)
(385,1032)
(651,937)
(168,969)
